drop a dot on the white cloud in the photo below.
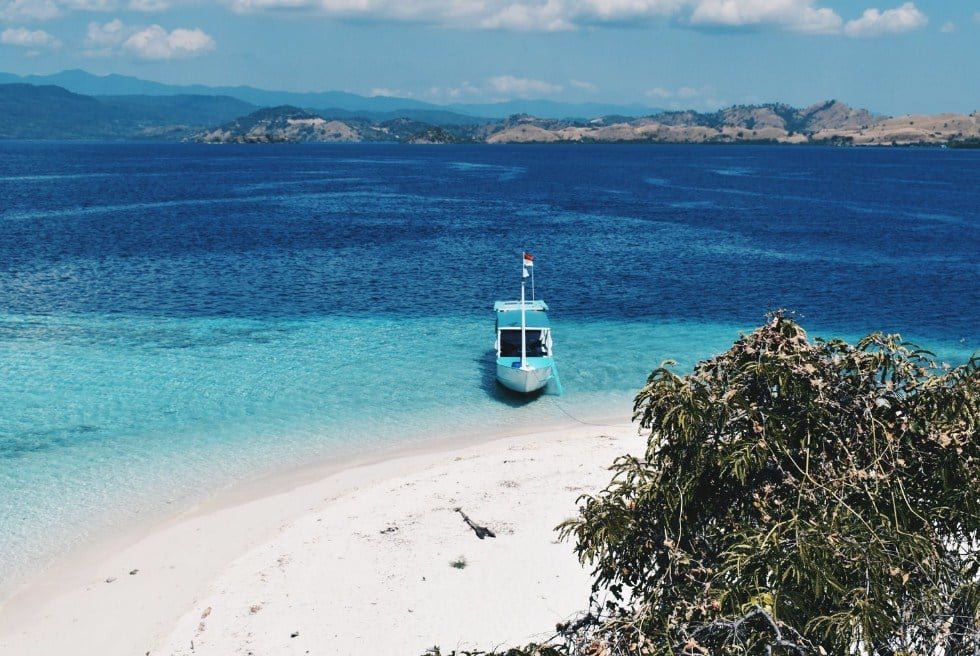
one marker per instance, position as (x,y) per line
(335,7)
(89,5)
(102,39)
(687,97)
(464,91)
(102,35)
(549,17)
(948,27)
(584,86)
(36,40)
(12,10)
(797,15)
(155,42)
(624,10)
(521,87)
(680,92)
(149,5)
(875,23)
(47,9)
(803,16)
(559,15)
(494,89)
(392,93)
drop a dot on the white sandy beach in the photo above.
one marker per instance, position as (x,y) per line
(349,561)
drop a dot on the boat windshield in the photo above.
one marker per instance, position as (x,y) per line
(510,344)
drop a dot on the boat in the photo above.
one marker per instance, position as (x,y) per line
(525,357)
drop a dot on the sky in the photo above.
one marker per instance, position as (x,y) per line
(889,56)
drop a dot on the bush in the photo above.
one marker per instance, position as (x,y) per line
(795,497)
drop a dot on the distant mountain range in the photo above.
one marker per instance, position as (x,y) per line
(120,107)
(85,83)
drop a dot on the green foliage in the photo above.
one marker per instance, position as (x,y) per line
(795,497)
(48,112)
(530,650)
(435,135)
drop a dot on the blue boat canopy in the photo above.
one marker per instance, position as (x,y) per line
(500,306)
(512,319)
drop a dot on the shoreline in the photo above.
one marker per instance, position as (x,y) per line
(92,597)
(126,518)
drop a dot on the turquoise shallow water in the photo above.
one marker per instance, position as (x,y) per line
(175,319)
(121,416)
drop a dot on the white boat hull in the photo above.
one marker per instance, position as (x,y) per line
(529,379)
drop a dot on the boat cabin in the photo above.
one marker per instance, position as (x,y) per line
(537,329)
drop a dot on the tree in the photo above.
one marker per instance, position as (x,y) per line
(795,497)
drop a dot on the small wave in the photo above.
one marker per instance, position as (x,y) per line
(380,160)
(925,183)
(230,200)
(940,218)
(735,171)
(56,176)
(49,177)
(280,184)
(693,204)
(506,172)
(128,207)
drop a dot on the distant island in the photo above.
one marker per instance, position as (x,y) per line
(123,108)
(831,122)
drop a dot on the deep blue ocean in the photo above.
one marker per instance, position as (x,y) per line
(175,318)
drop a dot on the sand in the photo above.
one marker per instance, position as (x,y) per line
(372,557)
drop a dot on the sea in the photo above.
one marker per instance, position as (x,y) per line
(178,319)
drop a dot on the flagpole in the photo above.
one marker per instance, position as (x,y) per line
(523,319)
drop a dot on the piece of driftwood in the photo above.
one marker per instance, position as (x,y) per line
(481,531)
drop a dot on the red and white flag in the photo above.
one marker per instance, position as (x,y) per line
(528,260)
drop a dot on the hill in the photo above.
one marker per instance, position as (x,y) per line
(50,112)
(190,110)
(830,122)
(287,124)
(282,125)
